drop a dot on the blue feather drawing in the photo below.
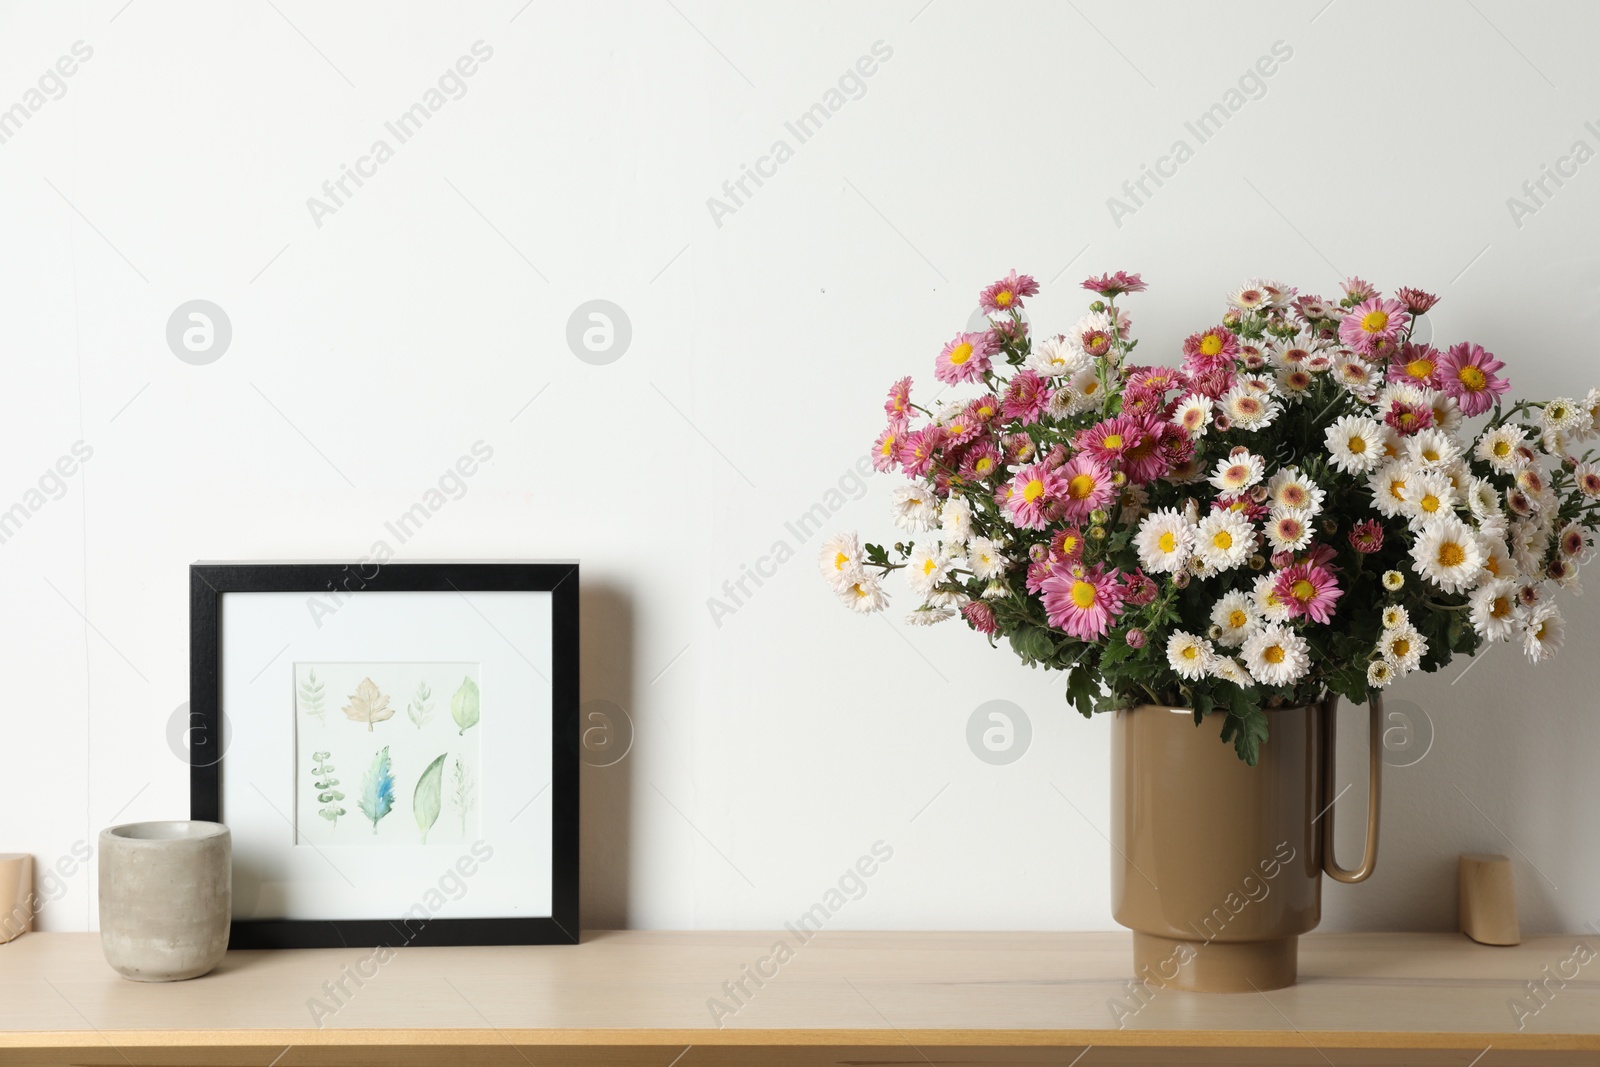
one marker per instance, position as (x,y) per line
(377,789)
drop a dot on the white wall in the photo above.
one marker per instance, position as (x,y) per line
(425,314)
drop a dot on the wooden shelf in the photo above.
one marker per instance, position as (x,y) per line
(639,998)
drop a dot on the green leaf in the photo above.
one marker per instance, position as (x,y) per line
(1081,690)
(464,705)
(876,554)
(425,800)
(1246,731)
(1032,643)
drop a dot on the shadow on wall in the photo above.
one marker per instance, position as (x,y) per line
(605,688)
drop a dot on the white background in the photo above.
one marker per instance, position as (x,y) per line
(430,312)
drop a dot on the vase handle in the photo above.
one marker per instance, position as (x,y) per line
(1369,858)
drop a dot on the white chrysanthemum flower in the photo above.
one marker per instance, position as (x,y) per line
(1446,412)
(1393,581)
(864,595)
(1404,647)
(995,590)
(1224,539)
(1083,392)
(1390,484)
(1356,375)
(1276,655)
(1289,488)
(928,615)
(1289,529)
(916,507)
(1497,562)
(1586,476)
(1095,322)
(1591,404)
(1494,609)
(955,521)
(1248,297)
(1057,357)
(1542,632)
(1189,655)
(1293,383)
(1429,495)
(926,567)
(1193,414)
(1229,669)
(1235,616)
(1249,408)
(1380,675)
(1529,543)
(1395,616)
(1447,553)
(1432,449)
(840,560)
(1295,351)
(985,558)
(949,597)
(1573,543)
(1164,541)
(1564,415)
(1483,500)
(1236,473)
(1266,602)
(1355,443)
(1498,448)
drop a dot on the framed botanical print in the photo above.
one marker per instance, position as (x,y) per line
(396,759)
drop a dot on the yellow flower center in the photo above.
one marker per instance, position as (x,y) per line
(1502,448)
(1419,368)
(1397,489)
(1430,454)
(1401,647)
(1357,445)
(1069,545)
(1168,543)
(928,567)
(1538,635)
(1374,321)
(984,465)
(1500,609)
(1275,654)
(1080,486)
(1112,440)
(1472,378)
(1429,503)
(960,353)
(1191,652)
(1222,539)
(1210,344)
(1237,619)
(1303,590)
(1003,298)
(1083,594)
(1033,490)
(840,561)
(888,446)
(1451,554)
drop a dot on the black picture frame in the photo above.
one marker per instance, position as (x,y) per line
(210,581)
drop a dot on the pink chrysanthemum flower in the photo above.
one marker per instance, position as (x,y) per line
(1357,289)
(960,427)
(985,408)
(1020,448)
(980,617)
(1373,324)
(1366,536)
(1309,590)
(1136,638)
(1416,301)
(1467,373)
(918,449)
(1415,364)
(1108,440)
(1158,380)
(1146,460)
(964,358)
(1007,293)
(1066,544)
(1087,486)
(1314,307)
(1082,601)
(1036,497)
(1209,351)
(981,462)
(1408,419)
(1113,285)
(898,406)
(886,449)
(1138,590)
(1027,397)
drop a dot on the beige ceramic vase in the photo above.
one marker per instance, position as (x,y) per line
(1218,865)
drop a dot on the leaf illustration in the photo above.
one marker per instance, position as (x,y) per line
(368,705)
(464,705)
(377,790)
(420,710)
(463,795)
(327,795)
(425,801)
(311,696)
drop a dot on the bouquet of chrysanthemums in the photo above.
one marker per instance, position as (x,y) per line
(1297,509)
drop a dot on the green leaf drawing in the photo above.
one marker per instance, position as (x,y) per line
(327,793)
(377,789)
(464,705)
(463,792)
(311,696)
(368,705)
(425,801)
(420,710)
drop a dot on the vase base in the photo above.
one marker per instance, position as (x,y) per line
(1215,966)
